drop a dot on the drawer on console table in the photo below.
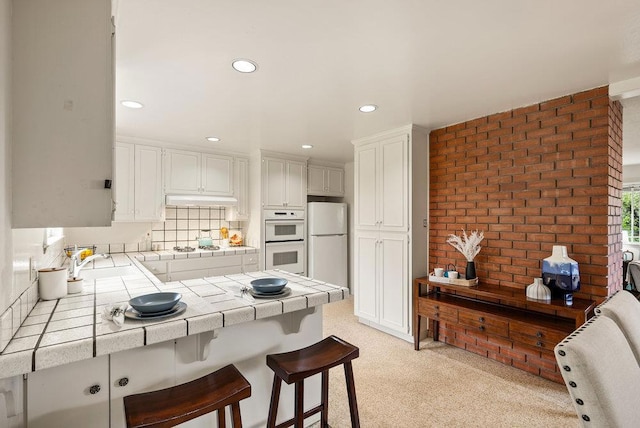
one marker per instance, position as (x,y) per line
(436,310)
(484,323)
(535,335)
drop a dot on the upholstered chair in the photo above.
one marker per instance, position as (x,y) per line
(624,309)
(601,374)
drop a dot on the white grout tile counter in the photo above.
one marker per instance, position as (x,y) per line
(77,362)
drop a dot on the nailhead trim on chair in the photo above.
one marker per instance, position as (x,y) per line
(566,368)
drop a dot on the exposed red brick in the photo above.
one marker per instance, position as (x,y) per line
(537,176)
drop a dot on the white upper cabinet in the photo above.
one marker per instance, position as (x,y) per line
(138,183)
(217,175)
(198,173)
(63,113)
(325,181)
(240,212)
(381,183)
(284,183)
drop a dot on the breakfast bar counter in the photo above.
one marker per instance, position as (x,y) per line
(220,325)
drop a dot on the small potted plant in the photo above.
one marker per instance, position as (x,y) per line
(469,246)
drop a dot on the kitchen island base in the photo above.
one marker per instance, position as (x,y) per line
(67,396)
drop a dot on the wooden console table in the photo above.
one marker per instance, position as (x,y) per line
(497,312)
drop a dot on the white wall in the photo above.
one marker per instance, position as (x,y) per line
(6,265)
(349,198)
(10,416)
(631,174)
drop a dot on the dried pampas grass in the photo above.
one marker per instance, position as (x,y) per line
(468,245)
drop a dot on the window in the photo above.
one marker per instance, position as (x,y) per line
(631,213)
(51,235)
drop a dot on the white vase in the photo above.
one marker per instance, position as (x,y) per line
(538,291)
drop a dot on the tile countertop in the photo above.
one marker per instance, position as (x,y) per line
(175,255)
(70,329)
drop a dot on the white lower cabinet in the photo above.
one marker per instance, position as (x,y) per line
(89,393)
(68,396)
(183,269)
(381,275)
(250,262)
(139,370)
(179,270)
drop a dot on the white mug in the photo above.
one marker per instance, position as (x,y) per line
(452,274)
(438,271)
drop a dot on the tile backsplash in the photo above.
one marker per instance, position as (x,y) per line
(182,226)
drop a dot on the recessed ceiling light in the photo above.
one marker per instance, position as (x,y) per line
(213,139)
(307,146)
(244,65)
(131,104)
(368,108)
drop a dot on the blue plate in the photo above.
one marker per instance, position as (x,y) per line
(268,285)
(155,302)
(176,310)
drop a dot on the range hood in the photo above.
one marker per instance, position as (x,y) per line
(200,201)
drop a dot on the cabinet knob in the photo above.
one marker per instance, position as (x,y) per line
(123,381)
(481,319)
(436,315)
(481,328)
(437,307)
(539,334)
(94,389)
(539,344)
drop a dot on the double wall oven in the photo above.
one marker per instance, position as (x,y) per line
(284,246)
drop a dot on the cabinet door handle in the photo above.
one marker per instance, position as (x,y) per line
(123,381)
(94,389)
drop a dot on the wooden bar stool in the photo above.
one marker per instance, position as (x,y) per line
(172,406)
(296,366)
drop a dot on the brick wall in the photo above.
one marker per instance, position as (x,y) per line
(530,178)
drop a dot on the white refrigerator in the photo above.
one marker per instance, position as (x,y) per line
(327,240)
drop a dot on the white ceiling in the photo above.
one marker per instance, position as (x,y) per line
(426,62)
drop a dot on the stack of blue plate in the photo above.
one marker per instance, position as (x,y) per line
(269,287)
(156,304)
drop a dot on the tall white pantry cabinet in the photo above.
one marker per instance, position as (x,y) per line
(391,185)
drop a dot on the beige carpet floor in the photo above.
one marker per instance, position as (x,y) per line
(438,386)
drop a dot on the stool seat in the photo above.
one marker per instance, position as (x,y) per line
(303,363)
(172,406)
(296,366)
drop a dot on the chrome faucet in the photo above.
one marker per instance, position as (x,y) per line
(74,266)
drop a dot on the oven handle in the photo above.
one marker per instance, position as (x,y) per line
(286,240)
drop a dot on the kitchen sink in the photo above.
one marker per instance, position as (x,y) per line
(109,272)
